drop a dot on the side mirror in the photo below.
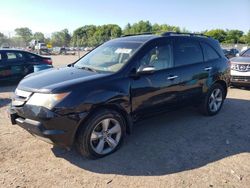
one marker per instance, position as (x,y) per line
(146,70)
(238,54)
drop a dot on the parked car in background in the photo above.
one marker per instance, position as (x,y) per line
(16,64)
(95,101)
(87,49)
(230,53)
(62,51)
(240,69)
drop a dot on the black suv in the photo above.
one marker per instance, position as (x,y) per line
(95,101)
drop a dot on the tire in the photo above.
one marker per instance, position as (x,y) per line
(95,138)
(213,100)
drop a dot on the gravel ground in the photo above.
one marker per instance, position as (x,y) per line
(178,149)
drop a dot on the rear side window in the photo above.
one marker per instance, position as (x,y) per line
(11,56)
(187,52)
(209,52)
(14,56)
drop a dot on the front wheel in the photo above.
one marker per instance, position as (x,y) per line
(101,135)
(214,100)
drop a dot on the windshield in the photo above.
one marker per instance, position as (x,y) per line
(109,57)
(246,53)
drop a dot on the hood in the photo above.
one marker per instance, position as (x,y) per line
(240,60)
(56,78)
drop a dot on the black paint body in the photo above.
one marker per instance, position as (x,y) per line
(135,96)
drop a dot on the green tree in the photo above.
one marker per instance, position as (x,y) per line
(82,36)
(127,29)
(245,38)
(136,28)
(3,39)
(1,35)
(104,33)
(164,28)
(233,36)
(91,35)
(24,33)
(147,27)
(115,31)
(39,36)
(61,38)
(217,34)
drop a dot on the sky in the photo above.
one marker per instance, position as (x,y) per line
(49,16)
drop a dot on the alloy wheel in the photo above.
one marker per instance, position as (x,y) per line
(215,100)
(106,136)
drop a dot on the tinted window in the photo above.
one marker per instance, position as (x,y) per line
(14,56)
(31,56)
(187,52)
(246,53)
(210,53)
(159,57)
(11,56)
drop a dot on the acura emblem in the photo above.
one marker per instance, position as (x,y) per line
(242,67)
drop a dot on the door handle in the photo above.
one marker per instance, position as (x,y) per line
(172,77)
(208,68)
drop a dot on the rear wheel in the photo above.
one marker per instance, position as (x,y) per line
(101,135)
(214,100)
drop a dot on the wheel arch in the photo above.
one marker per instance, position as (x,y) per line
(124,114)
(223,84)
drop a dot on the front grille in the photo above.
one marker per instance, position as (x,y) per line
(20,97)
(241,67)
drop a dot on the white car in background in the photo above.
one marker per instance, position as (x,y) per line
(240,69)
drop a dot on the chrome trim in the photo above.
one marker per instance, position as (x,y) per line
(21,93)
(20,97)
(240,67)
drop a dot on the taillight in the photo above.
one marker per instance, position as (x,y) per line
(47,61)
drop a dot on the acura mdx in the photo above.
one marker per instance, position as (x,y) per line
(95,101)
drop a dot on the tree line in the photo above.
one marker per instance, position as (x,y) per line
(92,35)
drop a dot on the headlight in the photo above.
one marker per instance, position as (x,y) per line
(46,100)
(234,66)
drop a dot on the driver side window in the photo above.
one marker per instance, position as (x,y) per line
(159,57)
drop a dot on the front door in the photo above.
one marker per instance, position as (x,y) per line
(15,60)
(156,91)
(5,68)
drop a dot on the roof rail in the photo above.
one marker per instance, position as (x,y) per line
(185,34)
(145,33)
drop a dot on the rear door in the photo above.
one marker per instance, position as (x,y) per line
(30,61)
(189,63)
(212,63)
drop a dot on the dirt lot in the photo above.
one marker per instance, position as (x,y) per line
(178,149)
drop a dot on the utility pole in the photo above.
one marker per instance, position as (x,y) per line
(77,41)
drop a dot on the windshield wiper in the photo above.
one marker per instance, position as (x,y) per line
(87,68)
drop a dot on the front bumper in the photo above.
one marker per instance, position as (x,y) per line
(240,78)
(46,125)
